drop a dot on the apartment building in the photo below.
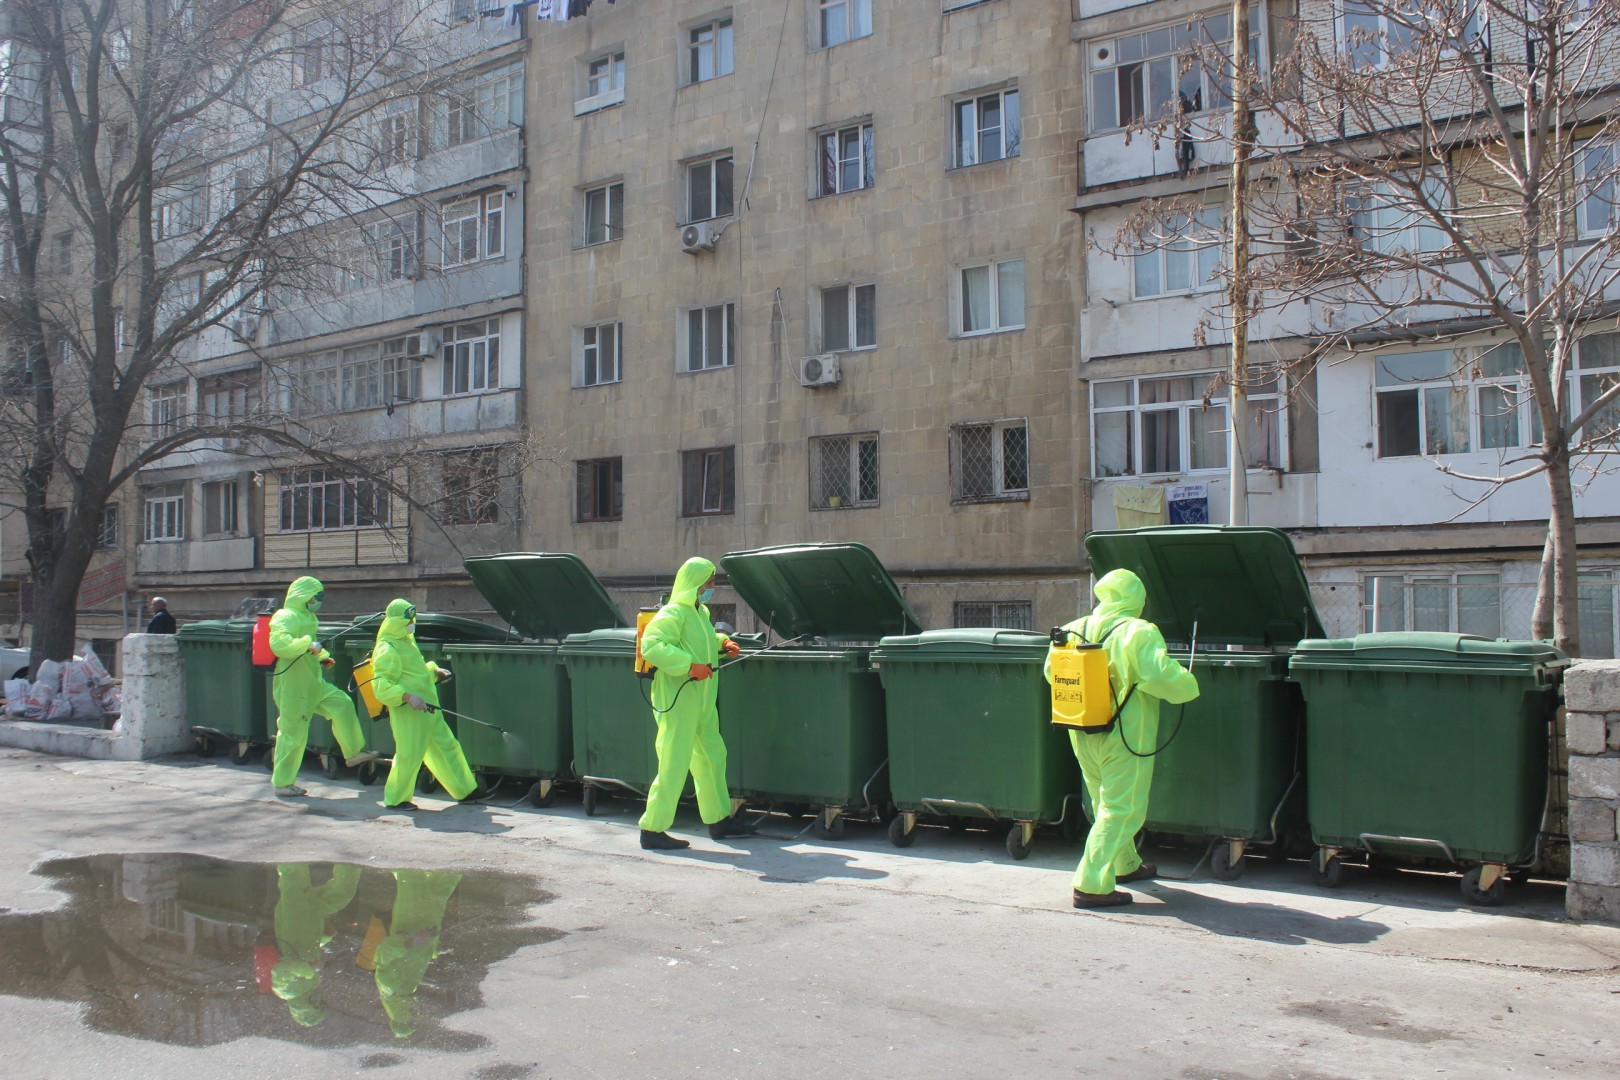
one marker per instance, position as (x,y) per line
(803,271)
(400,342)
(1362,456)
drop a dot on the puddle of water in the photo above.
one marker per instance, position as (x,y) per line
(194,951)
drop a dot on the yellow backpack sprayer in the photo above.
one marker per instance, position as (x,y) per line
(1082,691)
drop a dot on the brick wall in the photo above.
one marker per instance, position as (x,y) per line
(1592,705)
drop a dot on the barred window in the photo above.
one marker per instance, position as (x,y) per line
(472,487)
(313,500)
(599,489)
(843,472)
(997,614)
(990,461)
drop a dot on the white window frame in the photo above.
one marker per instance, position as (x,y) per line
(331,488)
(848,305)
(471,357)
(1003,484)
(399,138)
(1601,195)
(841,21)
(697,179)
(1158,66)
(1448,387)
(1387,36)
(698,330)
(313,385)
(997,276)
(166,405)
(844,160)
(599,354)
(608,200)
(482,105)
(163,514)
(1196,252)
(602,82)
(1383,219)
(1119,402)
(708,501)
(709,51)
(970,109)
(859,479)
(221,507)
(1409,587)
(1590,376)
(473,229)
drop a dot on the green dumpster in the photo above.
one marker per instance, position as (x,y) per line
(1425,747)
(225,694)
(612,717)
(970,732)
(433,633)
(804,721)
(522,687)
(1232,600)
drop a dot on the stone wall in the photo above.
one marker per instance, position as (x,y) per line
(1592,706)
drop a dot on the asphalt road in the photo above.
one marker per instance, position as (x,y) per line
(776,956)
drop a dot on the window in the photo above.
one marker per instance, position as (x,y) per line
(844,20)
(107,530)
(382,373)
(604,83)
(396,139)
(990,461)
(380,253)
(468,10)
(1374,33)
(708,51)
(180,210)
(987,128)
(306,59)
(1597,619)
(472,357)
(844,160)
(997,614)
(219,499)
(1178,424)
(1146,76)
(164,511)
(708,189)
(227,399)
(1595,175)
(711,337)
(1597,363)
(480,106)
(843,472)
(1453,402)
(1185,260)
(472,488)
(312,388)
(474,229)
(1389,219)
(167,408)
(1461,603)
(708,481)
(848,318)
(62,253)
(604,214)
(600,354)
(992,297)
(314,500)
(599,490)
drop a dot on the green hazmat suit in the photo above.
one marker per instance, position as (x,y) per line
(298,688)
(679,636)
(302,909)
(398,668)
(1119,781)
(403,956)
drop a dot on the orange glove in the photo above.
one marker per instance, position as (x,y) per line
(700,672)
(328,662)
(731,648)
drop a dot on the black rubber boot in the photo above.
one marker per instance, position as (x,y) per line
(658,841)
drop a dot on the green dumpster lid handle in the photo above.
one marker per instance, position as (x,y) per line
(832,591)
(544,595)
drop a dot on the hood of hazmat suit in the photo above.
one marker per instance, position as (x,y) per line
(397,665)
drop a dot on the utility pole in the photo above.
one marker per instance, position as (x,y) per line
(1238,293)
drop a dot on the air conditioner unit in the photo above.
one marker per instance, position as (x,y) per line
(698,237)
(819,370)
(428,343)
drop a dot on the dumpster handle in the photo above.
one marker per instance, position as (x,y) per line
(1370,841)
(866,788)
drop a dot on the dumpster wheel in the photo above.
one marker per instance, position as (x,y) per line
(542,793)
(588,798)
(1020,839)
(903,829)
(331,766)
(1226,862)
(241,753)
(829,824)
(206,746)
(370,773)
(1476,892)
(1327,869)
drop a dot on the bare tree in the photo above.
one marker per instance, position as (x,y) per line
(167,167)
(1431,171)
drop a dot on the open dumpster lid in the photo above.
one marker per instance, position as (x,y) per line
(838,592)
(1241,584)
(546,596)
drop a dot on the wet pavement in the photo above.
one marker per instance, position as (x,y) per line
(175,919)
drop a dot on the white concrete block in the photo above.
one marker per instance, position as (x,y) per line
(1593,686)
(1595,864)
(1585,732)
(1594,778)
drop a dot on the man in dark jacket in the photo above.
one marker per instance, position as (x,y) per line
(162,622)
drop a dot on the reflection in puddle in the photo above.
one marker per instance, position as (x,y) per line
(195,951)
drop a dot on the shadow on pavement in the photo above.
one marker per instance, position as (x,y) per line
(1257,921)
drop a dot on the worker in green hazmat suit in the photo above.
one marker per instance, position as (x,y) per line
(402,957)
(302,909)
(684,649)
(300,692)
(409,685)
(1117,764)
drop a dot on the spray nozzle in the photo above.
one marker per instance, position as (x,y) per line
(1060,637)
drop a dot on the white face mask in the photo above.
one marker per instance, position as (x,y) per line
(313,605)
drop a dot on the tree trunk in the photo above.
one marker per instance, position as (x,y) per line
(1541,621)
(1566,628)
(56,604)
